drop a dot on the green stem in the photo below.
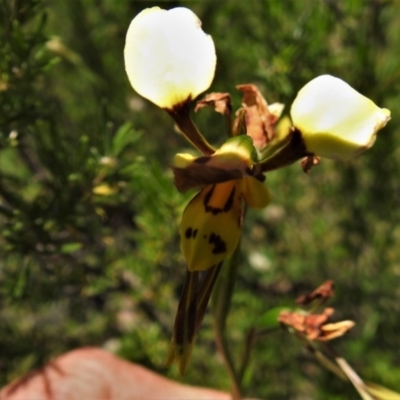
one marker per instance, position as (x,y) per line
(250,339)
(221,301)
(325,361)
(357,382)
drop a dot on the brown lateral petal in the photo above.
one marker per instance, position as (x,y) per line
(259,121)
(221,102)
(322,292)
(195,176)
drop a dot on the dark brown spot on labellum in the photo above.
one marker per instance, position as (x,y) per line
(188,233)
(216,210)
(229,202)
(219,244)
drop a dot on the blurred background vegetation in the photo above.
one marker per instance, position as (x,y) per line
(89,245)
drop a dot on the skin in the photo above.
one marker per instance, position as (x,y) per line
(92,373)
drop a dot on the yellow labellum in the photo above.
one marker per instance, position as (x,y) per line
(210,227)
(211,223)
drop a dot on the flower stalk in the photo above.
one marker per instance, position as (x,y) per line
(220,306)
(181,115)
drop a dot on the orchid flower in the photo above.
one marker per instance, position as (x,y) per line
(169,60)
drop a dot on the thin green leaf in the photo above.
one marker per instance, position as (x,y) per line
(124,137)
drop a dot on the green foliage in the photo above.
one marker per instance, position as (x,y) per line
(89,216)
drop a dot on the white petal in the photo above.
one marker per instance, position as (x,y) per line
(335,120)
(168,58)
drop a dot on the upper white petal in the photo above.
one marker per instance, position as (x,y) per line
(168,57)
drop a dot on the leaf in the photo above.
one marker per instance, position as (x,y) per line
(70,247)
(124,137)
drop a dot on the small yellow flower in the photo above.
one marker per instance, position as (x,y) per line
(168,58)
(335,121)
